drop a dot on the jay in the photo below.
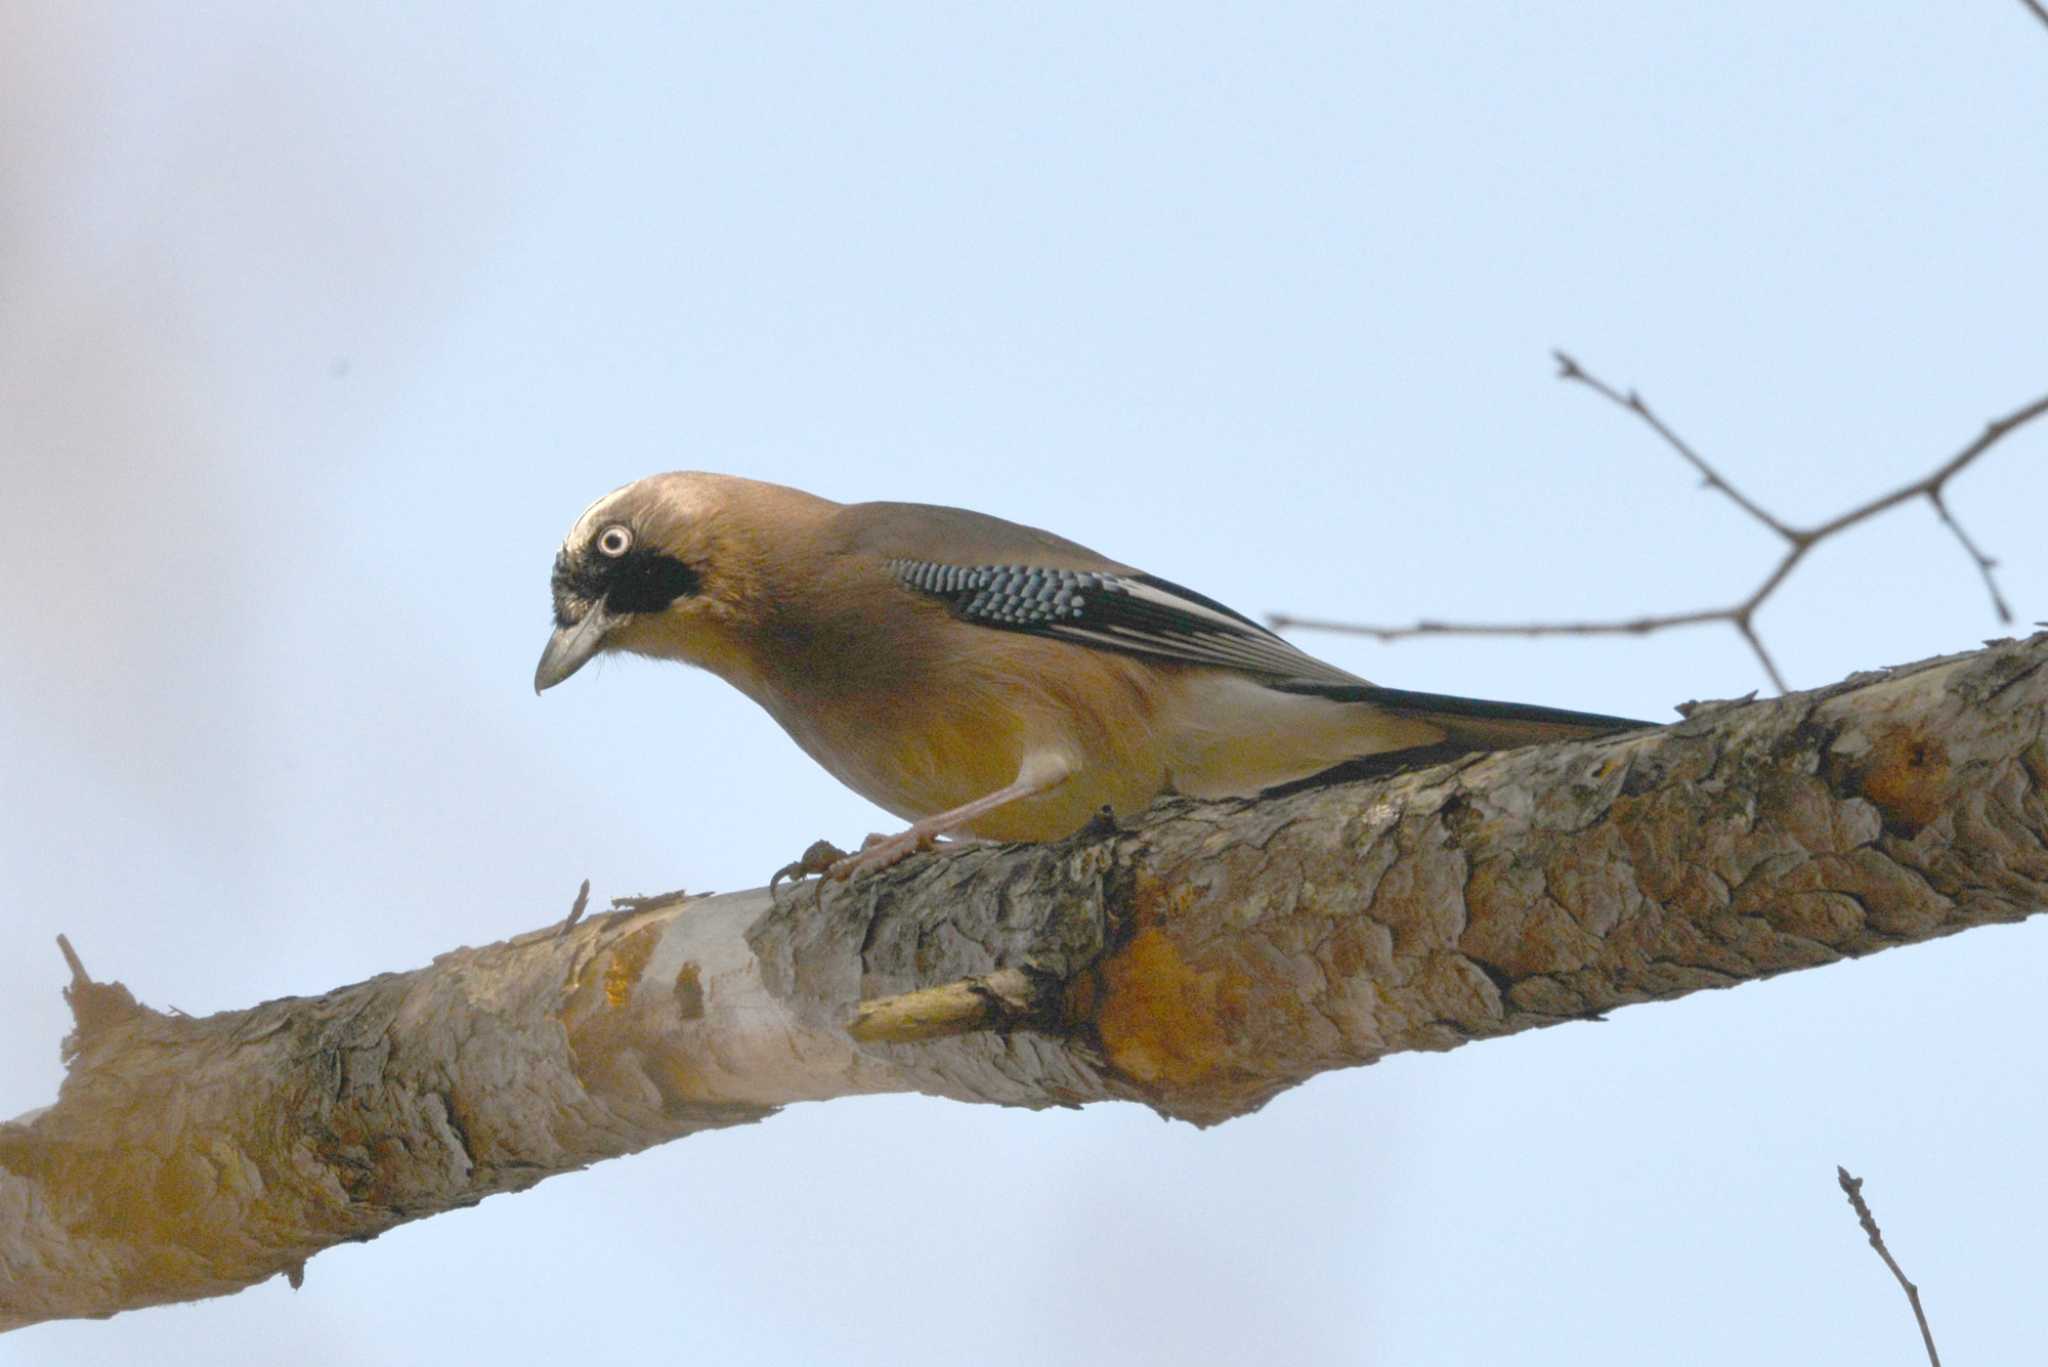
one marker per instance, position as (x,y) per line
(974,676)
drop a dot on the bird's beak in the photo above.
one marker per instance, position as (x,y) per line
(571,647)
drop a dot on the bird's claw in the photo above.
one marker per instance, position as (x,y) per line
(834,865)
(821,858)
(879,852)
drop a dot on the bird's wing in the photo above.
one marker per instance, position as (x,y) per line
(1136,614)
(1004,575)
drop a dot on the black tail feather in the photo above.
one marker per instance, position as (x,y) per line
(1446,706)
(1469,725)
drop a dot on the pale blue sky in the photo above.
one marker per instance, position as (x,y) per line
(318,325)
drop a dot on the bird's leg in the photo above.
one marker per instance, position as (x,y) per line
(1040,773)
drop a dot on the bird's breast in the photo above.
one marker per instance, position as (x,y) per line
(937,736)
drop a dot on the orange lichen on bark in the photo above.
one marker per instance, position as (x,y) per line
(1161,1020)
(1907,778)
(624,965)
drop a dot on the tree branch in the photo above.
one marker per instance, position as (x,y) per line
(1201,961)
(1571,371)
(1852,1187)
(1798,541)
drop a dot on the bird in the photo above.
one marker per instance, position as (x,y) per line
(975,677)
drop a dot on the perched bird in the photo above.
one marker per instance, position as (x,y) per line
(972,675)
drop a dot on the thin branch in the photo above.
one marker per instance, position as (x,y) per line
(1741,615)
(1632,626)
(2039,12)
(658,901)
(1853,1188)
(79,977)
(1985,564)
(1570,370)
(575,911)
(1756,643)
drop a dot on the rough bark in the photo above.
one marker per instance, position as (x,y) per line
(1200,962)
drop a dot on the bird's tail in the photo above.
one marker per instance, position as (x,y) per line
(1474,723)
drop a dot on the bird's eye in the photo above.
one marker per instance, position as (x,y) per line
(615,541)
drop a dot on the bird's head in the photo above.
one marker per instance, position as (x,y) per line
(667,566)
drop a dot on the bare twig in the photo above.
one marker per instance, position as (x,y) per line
(2040,12)
(1852,1187)
(79,977)
(657,901)
(1985,564)
(1798,540)
(1569,369)
(576,911)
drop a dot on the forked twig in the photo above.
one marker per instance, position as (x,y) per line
(1798,541)
(1569,369)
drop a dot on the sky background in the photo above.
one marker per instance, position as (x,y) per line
(319,325)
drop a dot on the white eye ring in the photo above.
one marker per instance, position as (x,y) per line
(615,540)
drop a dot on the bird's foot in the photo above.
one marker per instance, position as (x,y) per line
(879,852)
(821,858)
(833,865)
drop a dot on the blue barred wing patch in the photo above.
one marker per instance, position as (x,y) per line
(1136,614)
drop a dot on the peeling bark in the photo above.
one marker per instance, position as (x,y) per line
(1202,961)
